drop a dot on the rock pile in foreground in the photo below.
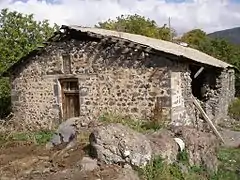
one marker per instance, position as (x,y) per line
(116,144)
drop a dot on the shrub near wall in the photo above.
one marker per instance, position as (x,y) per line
(5,98)
(234,109)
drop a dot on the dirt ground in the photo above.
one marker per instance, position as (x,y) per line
(232,138)
(22,160)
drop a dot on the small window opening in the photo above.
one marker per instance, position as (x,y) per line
(70,98)
(66,63)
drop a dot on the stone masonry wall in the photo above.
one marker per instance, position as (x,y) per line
(219,92)
(112,77)
(226,83)
(219,88)
(33,99)
(181,112)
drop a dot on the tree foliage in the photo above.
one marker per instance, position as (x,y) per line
(137,24)
(198,39)
(19,34)
(195,37)
(218,48)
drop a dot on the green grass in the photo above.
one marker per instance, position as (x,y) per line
(234,109)
(39,137)
(229,168)
(236,127)
(183,157)
(158,169)
(137,125)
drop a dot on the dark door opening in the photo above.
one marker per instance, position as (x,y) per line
(198,82)
(70,98)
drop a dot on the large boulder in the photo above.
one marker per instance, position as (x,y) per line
(201,146)
(164,145)
(65,134)
(68,130)
(88,164)
(118,144)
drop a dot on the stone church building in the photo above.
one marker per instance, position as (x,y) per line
(89,71)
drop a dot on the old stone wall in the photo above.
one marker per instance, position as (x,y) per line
(226,94)
(219,90)
(181,112)
(33,99)
(111,77)
(217,93)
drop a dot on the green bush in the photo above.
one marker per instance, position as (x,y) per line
(5,98)
(229,164)
(158,169)
(183,157)
(234,109)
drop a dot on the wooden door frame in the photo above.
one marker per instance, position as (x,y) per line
(61,81)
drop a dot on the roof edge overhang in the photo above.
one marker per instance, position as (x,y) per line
(65,30)
(101,33)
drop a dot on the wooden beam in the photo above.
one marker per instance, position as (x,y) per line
(198,72)
(199,107)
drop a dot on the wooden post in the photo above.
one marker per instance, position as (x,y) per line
(207,118)
(198,72)
(170,28)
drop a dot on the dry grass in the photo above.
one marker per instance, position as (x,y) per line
(12,124)
(137,125)
(83,137)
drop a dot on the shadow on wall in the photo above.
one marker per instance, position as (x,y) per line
(204,82)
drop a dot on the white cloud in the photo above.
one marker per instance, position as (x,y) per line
(209,15)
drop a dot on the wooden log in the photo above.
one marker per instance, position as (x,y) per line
(199,107)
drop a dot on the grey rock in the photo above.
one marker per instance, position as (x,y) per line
(200,146)
(115,143)
(65,134)
(127,174)
(163,145)
(184,169)
(88,164)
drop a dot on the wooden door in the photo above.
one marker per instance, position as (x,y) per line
(70,95)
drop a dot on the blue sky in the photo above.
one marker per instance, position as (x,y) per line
(209,15)
(235,1)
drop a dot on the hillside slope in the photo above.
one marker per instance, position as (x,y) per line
(232,35)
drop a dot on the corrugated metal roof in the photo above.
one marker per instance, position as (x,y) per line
(159,45)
